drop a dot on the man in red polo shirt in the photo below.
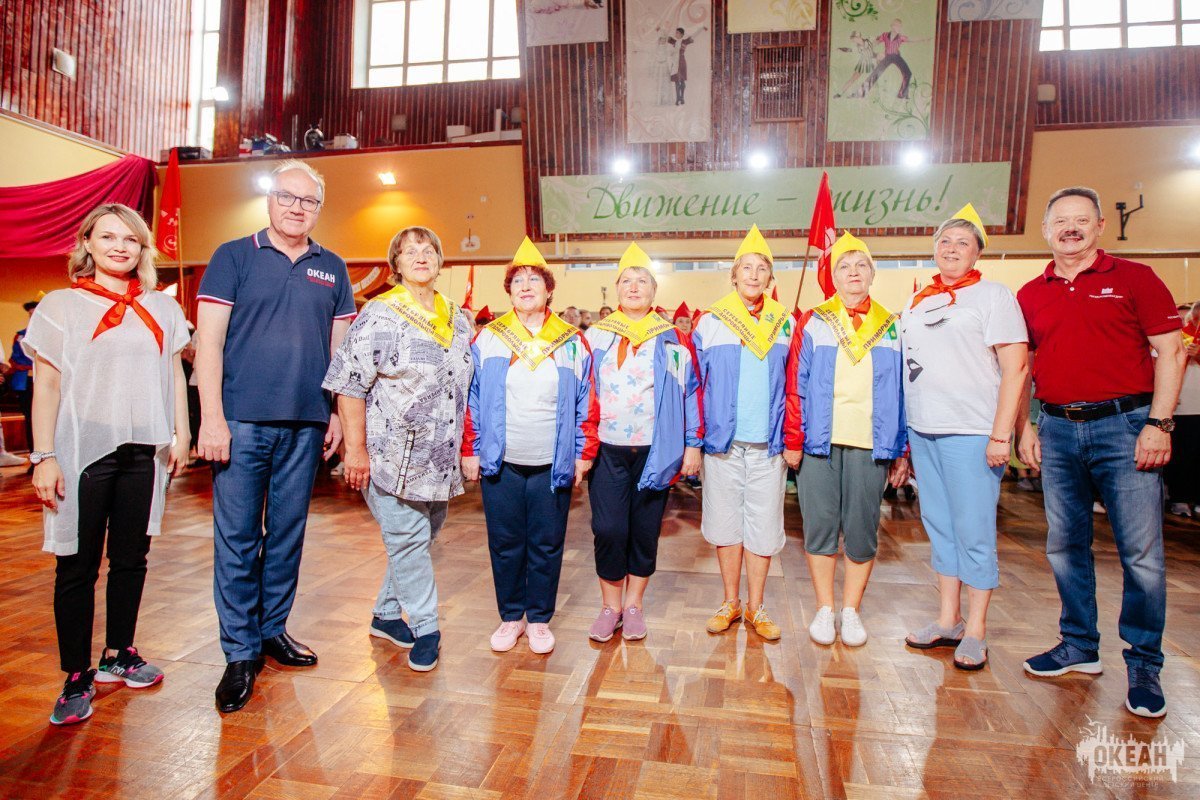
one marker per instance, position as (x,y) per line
(1095,324)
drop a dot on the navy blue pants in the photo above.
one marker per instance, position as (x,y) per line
(260,509)
(626,520)
(526,527)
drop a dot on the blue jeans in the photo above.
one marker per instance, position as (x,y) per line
(527,528)
(260,509)
(409,528)
(1075,457)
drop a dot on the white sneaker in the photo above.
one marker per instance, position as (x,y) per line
(853,632)
(541,640)
(821,630)
(1098,508)
(1181,510)
(7,459)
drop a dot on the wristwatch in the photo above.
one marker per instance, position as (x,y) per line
(1166,425)
(36,457)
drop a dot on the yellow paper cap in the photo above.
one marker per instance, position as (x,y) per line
(633,256)
(754,243)
(528,255)
(969,213)
(848,243)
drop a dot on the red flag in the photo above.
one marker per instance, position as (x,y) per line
(470,287)
(822,233)
(167,231)
(916,286)
(775,293)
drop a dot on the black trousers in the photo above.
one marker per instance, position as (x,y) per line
(527,529)
(626,520)
(114,499)
(1183,470)
(25,403)
(889,61)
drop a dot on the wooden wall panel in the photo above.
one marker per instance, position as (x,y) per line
(1103,88)
(294,61)
(131,85)
(981,111)
(574,98)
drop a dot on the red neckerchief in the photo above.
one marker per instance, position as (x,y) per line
(112,318)
(938,286)
(858,312)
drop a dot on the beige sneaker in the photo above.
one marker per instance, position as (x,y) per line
(730,612)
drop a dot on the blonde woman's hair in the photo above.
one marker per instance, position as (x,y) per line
(738,262)
(647,272)
(870,258)
(80,263)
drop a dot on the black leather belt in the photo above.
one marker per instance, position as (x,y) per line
(1086,412)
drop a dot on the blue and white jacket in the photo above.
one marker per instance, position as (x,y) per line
(677,418)
(578,411)
(718,359)
(811,366)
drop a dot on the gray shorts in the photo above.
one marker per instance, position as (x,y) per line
(840,493)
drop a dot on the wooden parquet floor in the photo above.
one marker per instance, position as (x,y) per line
(681,714)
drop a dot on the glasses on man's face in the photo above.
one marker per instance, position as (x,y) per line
(287,200)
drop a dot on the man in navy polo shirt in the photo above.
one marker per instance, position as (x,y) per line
(274,306)
(1106,405)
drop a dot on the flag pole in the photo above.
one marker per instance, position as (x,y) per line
(803,272)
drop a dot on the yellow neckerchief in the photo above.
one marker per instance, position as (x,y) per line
(636,331)
(527,347)
(437,324)
(758,334)
(856,343)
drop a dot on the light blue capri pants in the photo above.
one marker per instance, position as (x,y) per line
(959,493)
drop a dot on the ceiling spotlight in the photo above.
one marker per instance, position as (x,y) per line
(622,166)
(759,160)
(913,158)
(387,178)
(220,94)
(264,183)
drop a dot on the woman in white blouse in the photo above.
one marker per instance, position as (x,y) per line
(109,427)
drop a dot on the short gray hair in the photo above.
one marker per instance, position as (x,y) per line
(295,164)
(958,222)
(1075,191)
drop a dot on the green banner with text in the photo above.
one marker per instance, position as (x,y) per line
(863,197)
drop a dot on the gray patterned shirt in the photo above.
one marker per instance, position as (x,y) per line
(416,394)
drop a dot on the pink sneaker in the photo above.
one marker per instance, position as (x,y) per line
(605,625)
(541,640)
(505,637)
(635,624)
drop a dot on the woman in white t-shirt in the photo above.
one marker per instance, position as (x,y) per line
(965,362)
(109,427)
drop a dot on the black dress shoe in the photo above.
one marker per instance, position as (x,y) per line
(288,651)
(237,684)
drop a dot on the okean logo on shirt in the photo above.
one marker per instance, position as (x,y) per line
(323,278)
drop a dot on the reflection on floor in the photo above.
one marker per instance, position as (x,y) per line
(682,714)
